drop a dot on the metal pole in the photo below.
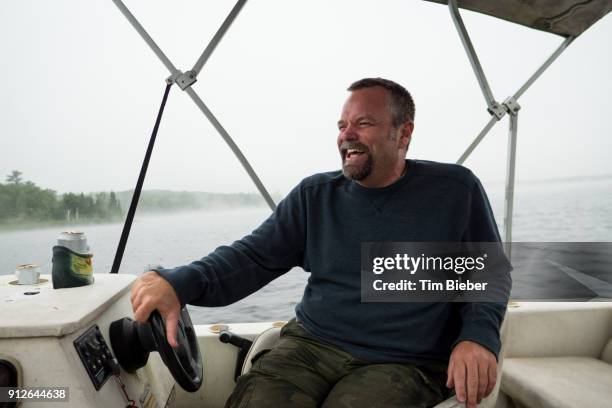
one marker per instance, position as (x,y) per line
(544,66)
(510,106)
(218,36)
(477,140)
(213,120)
(510,169)
(469,49)
(145,36)
(127,226)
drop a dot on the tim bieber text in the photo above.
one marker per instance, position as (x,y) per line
(430,286)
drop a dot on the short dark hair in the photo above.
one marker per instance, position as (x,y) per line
(402,104)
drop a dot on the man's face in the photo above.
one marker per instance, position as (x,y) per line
(370,147)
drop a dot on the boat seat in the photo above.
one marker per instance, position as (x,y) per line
(559,354)
(263,342)
(543,382)
(268,338)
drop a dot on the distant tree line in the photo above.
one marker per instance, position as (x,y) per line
(24,202)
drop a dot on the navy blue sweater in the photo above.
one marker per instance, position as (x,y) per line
(320,225)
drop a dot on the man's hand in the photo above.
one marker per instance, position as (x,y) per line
(151,292)
(472,371)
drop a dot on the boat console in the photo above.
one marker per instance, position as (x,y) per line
(82,340)
(59,339)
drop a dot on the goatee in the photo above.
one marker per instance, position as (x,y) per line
(353,171)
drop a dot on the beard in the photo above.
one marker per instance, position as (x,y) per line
(357,172)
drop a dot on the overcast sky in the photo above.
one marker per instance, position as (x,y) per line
(81,90)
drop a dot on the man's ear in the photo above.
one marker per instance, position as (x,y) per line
(406,130)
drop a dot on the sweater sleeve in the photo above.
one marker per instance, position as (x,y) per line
(233,272)
(481,321)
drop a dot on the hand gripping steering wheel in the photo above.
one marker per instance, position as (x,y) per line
(132,342)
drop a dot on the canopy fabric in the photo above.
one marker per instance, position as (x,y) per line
(562,17)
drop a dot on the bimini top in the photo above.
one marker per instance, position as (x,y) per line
(563,17)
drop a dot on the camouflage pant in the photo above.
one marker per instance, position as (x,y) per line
(300,371)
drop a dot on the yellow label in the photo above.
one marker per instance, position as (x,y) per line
(81,266)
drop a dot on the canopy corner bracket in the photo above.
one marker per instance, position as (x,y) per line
(511,106)
(184,80)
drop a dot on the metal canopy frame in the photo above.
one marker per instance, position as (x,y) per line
(497,111)
(185,80)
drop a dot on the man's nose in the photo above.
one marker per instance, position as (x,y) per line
(349,133)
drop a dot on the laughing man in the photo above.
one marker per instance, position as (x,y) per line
(338,351)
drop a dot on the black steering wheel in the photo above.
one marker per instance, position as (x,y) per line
(132,342)
(185,361)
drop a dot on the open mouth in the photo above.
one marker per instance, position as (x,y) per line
(352,153)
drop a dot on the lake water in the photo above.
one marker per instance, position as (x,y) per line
(563,211)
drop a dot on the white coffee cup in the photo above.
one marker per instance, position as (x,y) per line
(27,274)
